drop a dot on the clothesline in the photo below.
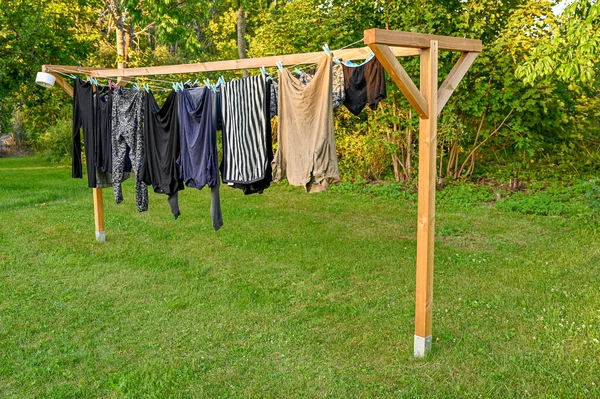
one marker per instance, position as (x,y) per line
(69,71)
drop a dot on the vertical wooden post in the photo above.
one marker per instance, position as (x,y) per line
(99,214)
(426,207)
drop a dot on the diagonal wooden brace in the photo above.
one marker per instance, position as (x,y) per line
(453,79)
(401,78)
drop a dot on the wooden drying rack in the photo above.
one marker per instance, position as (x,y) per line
(428,102)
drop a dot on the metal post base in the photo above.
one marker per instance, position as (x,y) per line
(422,346)
(101,236)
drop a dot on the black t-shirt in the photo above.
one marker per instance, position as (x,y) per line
(161,137)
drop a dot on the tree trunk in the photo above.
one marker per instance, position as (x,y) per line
(241,37)
(395,161)
(123,41)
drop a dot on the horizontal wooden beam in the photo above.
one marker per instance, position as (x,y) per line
(454,77)
(420,40)
(216,66)
(385,55)
(68,69)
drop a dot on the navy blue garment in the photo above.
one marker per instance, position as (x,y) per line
(198,164)
(161,138)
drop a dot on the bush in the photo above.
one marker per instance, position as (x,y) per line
(55,143)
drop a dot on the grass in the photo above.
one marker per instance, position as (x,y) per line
(296,296)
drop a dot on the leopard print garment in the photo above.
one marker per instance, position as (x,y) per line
(127,117)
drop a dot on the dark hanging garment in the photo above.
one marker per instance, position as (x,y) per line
(103,131)
(83,118)
(198,159)
(365,84)
(161,139)
(246,127)
(127,140)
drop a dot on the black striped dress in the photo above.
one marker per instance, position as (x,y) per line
(246,127)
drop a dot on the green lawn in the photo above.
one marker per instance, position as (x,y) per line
(296,296)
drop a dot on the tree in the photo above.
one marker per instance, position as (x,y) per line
(571,50)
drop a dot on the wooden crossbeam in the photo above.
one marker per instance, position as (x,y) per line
(420,40)
(217,66)
(454,77)
(387,58)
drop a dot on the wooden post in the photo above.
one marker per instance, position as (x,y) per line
(99,214)
(426,207)
(98,210)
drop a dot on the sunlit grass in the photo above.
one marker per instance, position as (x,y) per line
(296,296)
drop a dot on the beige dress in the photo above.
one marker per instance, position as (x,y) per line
(306,153)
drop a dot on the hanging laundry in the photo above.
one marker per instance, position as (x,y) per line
(246,127)
(161,139)
(126,128)
(84,117)
(338,92)
(274,97)
(198,159)
(103,101)
(365,84)
(306,153)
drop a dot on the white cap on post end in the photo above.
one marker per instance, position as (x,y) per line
(45,79)
(422,346)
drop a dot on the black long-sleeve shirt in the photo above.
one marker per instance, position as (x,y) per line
(83,117)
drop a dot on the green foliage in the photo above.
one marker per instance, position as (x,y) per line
(580,199)
(381,189)
(464,196)
(55,143)
(494,118)
(569,51)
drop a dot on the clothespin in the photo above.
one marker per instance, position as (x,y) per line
(188,82)
(72,76)
(136,86)
(206,82)
(280,65)
(175,86)
(263,70)
(297,71)
(328,52)
(350,63)
(147,87)
(221,80)
(195,82)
